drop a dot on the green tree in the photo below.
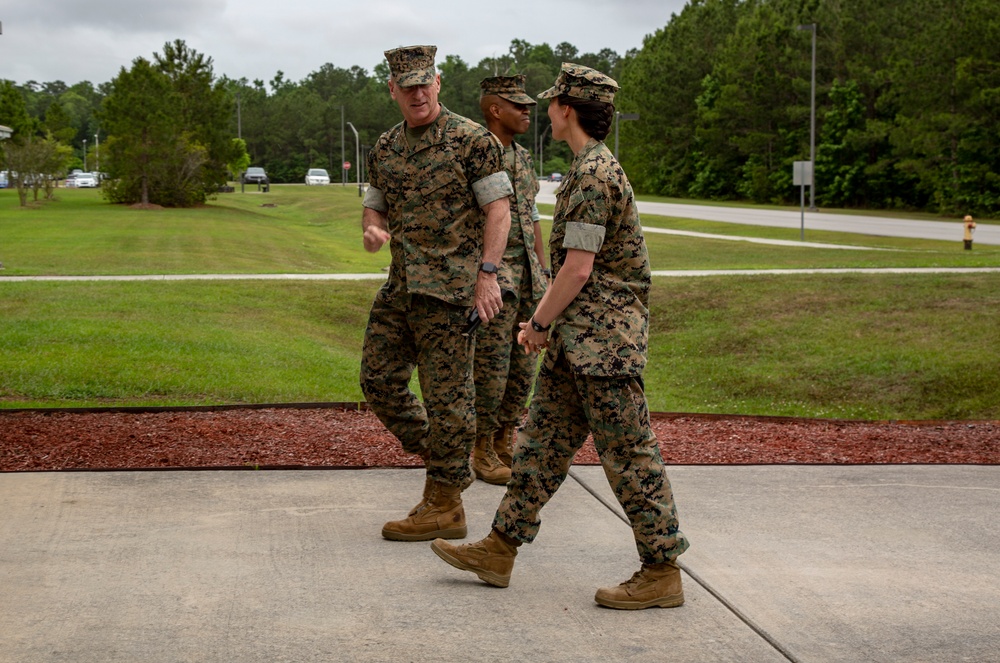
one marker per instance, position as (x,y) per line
(143,128)
(57,123)
(168,125)
(14,111)
(14,114)
(943,73)
(840,157)
(662,82)
(241,159)
(205,110)
(35,164)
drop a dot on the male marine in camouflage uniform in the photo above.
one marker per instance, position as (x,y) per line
(504,372)
(438,193)
(597,309)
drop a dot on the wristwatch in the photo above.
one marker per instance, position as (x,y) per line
(488,267)
(538,328)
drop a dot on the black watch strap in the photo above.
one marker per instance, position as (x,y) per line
(538,328)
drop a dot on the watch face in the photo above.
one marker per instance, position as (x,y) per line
(488,267)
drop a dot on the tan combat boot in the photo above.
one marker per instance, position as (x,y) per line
(428,492)
(655,585)
(439,515)
(425,454)
(492,559)
(486,465)
(503,444)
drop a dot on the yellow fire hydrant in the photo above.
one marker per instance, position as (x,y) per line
(970,227)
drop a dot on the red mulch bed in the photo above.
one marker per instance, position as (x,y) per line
(292,437)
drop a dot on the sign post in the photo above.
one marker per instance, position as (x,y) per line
(802,176)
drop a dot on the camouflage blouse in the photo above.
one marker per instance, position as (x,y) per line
(432,194)
(523,215)
(604,330)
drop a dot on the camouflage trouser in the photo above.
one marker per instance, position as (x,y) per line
(425,337)
(503,372)
(564,408)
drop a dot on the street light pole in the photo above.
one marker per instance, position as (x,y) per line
(84,155)
(97,154)
(622,116)
(357,155)
(812,118)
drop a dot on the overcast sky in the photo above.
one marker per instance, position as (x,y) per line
(77,40)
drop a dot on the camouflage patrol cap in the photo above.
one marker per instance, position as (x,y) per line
(510,88)
(582,82)
(412,65)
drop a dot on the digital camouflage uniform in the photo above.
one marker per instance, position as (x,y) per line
(503,372)
(431,193)
(591,375)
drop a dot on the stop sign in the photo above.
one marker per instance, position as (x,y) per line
(347,165)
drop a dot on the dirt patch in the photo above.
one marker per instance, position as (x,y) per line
(336,437)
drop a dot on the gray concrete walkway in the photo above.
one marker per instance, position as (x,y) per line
(802,563)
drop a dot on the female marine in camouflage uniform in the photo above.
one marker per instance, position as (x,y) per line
(594,320)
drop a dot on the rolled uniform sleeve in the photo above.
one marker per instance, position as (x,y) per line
(375,199)
(587,216)
(492,187)
(584,236)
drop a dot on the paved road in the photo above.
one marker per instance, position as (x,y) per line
(864,225)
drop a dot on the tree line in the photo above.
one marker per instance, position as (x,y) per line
(907,103)
(907,106)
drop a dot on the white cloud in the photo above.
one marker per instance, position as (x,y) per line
(91,40)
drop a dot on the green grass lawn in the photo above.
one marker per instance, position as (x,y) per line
(883,346)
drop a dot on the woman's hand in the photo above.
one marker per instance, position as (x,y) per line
(533,341)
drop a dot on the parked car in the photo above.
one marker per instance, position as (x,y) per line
(85,180)
(4,183)
(555,177)
(317,176)
(70,182)
(255,175)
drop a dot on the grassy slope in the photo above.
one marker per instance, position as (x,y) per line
(858,346)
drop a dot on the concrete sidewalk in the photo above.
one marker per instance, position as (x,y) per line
(802,563)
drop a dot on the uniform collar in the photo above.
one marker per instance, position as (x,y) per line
(591,145)
(433,135)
